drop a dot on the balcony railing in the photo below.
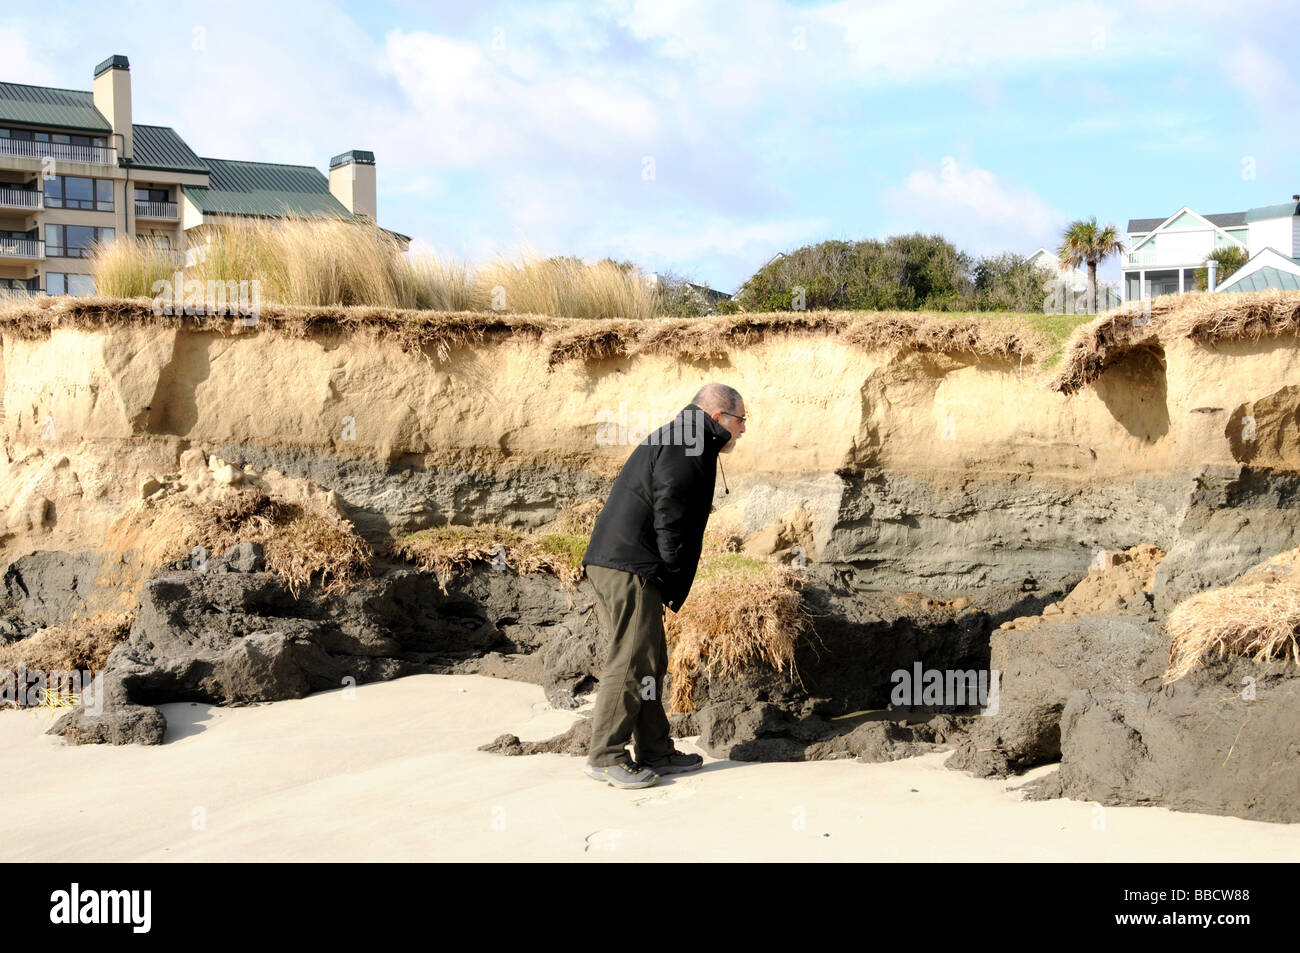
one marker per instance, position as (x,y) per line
(20,198)
(30,149)
(164,210)
(1145,257)
(21,248)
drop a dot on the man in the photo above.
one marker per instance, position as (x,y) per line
(643,553)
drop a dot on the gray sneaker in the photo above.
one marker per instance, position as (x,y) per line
(622,775)
(675,762)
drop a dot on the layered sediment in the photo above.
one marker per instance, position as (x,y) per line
(954,468)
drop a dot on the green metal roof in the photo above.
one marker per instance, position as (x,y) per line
(46,106)
(116,61)
(1264,278)
(265,189)
(159,147)
(1284,210)
(358,156)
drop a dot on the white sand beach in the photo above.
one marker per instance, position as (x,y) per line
(393,774)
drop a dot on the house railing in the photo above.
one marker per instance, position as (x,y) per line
(21,248)
(20,198)
(30,149)
(1146,256)
(167,210)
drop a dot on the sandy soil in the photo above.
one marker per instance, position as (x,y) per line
(392,774)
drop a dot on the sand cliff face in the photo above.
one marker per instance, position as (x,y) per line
(909,459)
(929,470)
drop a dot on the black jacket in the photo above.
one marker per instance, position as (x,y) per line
(653,523)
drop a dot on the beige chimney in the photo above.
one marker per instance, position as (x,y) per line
(113,98)
(352,182)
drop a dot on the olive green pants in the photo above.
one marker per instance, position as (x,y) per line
(628,706)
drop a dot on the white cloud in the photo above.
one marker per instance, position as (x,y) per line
(682,237)
(464,108)
(973,208)
(904,41)
(711,248)
(1265,83)
(21,65)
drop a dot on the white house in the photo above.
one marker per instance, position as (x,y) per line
(1167,252)
(1076,279)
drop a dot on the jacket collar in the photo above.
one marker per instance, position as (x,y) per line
(716,436)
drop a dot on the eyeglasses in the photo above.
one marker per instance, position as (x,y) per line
(737,416)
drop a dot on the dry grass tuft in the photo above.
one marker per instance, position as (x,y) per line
(741,612)
(449,549)
(1260,621)
(81,645)
(1203,317)
(308,546)
(579,518)
(299,546)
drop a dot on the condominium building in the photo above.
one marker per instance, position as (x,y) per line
(75,170)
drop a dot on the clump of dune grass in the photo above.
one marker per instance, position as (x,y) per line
(436,283)
(308,262)
(1260,621)
(79,646)
(296,261)
(324,262)
(568,287)
(445,550)
(741,611)
(301,547)
(129,267)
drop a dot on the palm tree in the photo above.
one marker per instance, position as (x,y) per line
(1086,242)
(1230,258)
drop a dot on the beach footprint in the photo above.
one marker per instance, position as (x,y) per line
(605,840)
(674,793)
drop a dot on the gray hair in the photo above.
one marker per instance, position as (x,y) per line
(717,397)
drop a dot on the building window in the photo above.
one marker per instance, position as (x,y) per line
(74,241)
(152,195)
(78,192)
(75,191)
(60,283)
(29,135)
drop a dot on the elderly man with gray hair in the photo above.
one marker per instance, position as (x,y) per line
(642,556)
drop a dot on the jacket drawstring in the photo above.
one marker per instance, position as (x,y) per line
(725,488)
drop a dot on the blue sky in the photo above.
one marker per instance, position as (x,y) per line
(703,138)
